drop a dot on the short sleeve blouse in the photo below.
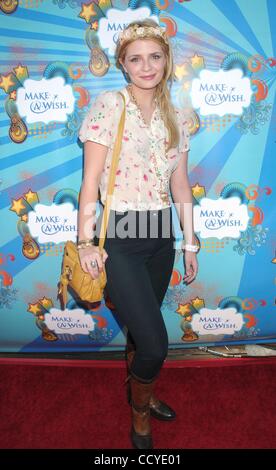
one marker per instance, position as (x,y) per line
(98,124)
(144,168)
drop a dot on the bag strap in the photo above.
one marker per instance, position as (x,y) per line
(111,182)
(62,288)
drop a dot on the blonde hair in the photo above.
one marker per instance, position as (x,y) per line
(162,93)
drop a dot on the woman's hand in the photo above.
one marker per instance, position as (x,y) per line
(191,266)
(89,254)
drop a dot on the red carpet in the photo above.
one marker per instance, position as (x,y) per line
(45,407)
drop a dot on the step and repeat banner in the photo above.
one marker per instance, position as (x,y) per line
(56,56)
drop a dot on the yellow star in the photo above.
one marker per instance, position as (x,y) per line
(47,303)
(179,71)
(18,206)
(6,81)
(95,25)
(21,72)
(186,86)
(13,95)
(104,4)
(197,62)
(31,197)
(87,11)
(198,303)
(198,191)
(183,309)
(185,71)
(34,308)
(24,218)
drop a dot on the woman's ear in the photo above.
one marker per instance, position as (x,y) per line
(122,65)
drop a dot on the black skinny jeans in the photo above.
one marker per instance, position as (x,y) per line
(139,269)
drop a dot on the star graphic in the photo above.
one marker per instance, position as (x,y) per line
(19,206)
(87,11)
(35,308)
(198,303)
(7,81)
(24,217)
(198,191)
(31,197)
(95,25)
(197,62)
(179,71)
(47,303)
(184,71)
(104,4)
(21,72)
(13,95)
(186,86)
(183,309)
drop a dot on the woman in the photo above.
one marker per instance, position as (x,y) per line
(153,163)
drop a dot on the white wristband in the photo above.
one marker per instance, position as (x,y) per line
(188,247)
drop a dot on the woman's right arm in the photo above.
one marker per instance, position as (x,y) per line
(94,160)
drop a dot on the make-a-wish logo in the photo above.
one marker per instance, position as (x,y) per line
(115,21)
(221,92)
(217,322)
(45,100)
(221,217)
(71,322)
(56,223)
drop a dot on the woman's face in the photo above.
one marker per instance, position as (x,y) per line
(144,58)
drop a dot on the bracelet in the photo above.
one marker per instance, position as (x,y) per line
(187,247)
(85,243)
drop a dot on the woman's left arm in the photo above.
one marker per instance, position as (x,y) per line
(183,200)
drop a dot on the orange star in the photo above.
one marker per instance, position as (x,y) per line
(18,206)
(87,11)
(13,95)
(198,303)
(197,61)
(34,308)
(31,197)
(95,25)
(184,71)
(21,72)
(186,86)
(6,81)
(198,191)
(47,303)
(179,71)
(183,309)
(104,4)
(24,218)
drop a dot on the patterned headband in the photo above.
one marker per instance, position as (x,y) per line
(139,32)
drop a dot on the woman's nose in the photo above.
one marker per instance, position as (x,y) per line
(146,65)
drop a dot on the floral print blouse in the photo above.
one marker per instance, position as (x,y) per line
(144,168)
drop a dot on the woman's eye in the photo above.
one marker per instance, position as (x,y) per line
(156,57)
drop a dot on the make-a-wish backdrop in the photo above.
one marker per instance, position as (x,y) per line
(56,56)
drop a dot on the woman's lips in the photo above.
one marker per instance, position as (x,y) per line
(148,77)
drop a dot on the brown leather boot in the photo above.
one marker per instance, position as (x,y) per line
(141,429)
(158,409)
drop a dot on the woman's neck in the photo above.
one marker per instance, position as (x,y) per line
(145,97)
